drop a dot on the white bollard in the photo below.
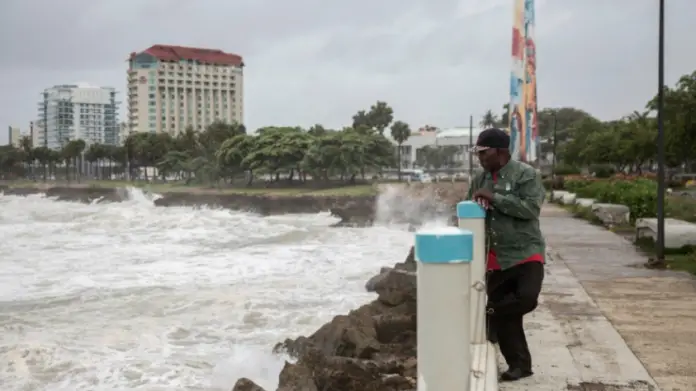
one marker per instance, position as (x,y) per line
(473,218)
(444,339)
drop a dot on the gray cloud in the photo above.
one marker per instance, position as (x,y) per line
(313,61)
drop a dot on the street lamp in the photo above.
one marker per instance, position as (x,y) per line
(555,143)
(660,242)
(471,148)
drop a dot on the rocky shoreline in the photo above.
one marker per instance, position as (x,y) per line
(372,348)
(352,210)
(411,204)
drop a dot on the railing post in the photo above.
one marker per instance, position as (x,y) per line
(444,339)
(473,218)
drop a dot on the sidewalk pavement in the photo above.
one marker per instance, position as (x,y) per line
(598,307)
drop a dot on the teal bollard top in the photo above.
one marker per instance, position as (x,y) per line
(444,245)
(470,210)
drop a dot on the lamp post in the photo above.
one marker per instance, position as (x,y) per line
(660,242)
(471,146)
(555,144)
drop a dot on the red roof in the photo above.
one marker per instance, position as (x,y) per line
(177,53)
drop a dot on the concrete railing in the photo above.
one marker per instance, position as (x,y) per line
(451,306)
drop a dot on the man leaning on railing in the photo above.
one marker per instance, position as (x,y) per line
(512,194)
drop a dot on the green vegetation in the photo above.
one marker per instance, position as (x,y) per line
(307,161)
(640,195)
(628,145)
(676,259)
(621,158)
(225,156)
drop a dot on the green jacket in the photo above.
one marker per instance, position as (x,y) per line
(512,223)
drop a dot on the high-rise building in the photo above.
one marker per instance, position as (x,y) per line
(14,136)
(38,137)
(123,132)
(78,111)
(173,87)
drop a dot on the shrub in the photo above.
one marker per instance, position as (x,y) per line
(564,169)
(548,184)
(602,170)
(556,183)
(640,195)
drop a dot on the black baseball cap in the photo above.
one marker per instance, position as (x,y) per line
(492,138)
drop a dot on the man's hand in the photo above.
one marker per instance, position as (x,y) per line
(484,194)
(483,197)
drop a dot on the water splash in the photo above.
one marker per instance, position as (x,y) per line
(136,195)
(400,205)
(127,296)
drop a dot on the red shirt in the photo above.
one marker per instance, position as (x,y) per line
(493,260)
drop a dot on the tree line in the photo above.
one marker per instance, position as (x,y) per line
(629,144)
(227,153)
(223,153)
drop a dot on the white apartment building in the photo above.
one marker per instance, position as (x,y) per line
(38,137)
(14,136)
(173,87)
(78,111)
(458,137)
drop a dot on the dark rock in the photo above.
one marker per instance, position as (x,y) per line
(245,384)
(372,348)
(296,377)
(343,373)
(352,335)
(390,327)
(409,264)
(354,214)
(396,287)
(270,204)
(353,210)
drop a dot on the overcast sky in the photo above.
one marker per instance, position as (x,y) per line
(319,61)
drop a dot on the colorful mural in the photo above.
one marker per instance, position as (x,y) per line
(524,137)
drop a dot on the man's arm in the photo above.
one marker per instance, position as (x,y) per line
(472,187)
(527,205)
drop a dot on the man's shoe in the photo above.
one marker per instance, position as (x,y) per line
(514,374)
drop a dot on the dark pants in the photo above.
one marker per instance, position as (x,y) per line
(513,293)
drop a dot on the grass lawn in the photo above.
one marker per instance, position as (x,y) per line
(676,259)
(682,208)
(344,191)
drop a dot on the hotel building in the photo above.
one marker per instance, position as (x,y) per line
(173,87)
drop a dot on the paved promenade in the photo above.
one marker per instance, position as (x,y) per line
(605,323)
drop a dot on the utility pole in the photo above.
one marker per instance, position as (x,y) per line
(660,242)
(555,144)
(471,147)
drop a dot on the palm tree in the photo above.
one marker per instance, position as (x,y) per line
(71,153)
(94,154)
(400,132)
(489,119)
(25,144)
(42,155)
(505,117)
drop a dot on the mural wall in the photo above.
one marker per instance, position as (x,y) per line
(524,137)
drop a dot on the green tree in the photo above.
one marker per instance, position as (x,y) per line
(400,132)
(71,154)
(377,118)
(489,120)
(679,122)
(381,115)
